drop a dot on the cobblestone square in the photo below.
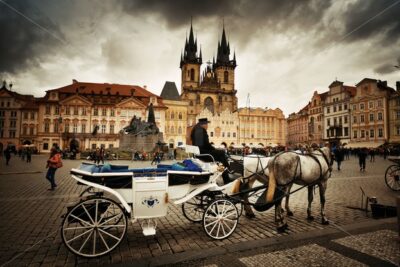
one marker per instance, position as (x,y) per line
(31,216)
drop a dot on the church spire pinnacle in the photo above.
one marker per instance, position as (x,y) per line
(190,52)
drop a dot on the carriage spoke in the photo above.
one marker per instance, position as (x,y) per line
(104,242)
(85,222)
(223,228)
(219,226)
(211,223)
(84,233)
(104,213)
(86,240)
(94,242)
(112,218)
(96,212)
(229,227)
(78,227)
(110,235)
(90,217)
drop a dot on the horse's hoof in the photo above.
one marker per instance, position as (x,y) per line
(289,213)
(282,229)
(310,218)
(250,216)
(325,222)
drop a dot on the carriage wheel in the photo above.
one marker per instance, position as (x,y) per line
(94,227)
(220,219)
(392,177)
(193,209)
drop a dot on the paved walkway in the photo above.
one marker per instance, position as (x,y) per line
(31,217)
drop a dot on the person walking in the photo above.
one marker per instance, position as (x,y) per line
(339,156)
(7,154)
(28,155)
(101,155)
(53,163)
(372,155)
(362,156)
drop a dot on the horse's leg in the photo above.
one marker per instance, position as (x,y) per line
(322,190)
(280,221)
(310,200)
(247,208)
(287,193)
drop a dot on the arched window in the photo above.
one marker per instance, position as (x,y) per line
(172,129)
(191,103)
(172,115)
(192,74)
(180,115)
(180,130)
(209,104)
(226,76)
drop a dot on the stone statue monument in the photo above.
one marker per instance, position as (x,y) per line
(141,135)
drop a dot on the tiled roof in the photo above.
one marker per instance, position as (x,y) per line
(170,92)
(105,88)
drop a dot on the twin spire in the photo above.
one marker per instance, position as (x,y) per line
(189,55)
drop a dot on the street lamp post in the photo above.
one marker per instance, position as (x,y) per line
(59,130)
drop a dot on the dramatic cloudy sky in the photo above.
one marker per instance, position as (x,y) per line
(285,49)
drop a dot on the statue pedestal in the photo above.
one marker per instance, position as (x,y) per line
(129,142)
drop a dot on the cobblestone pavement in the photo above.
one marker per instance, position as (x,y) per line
(31,216)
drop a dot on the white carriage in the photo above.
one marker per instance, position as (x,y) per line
(115,194)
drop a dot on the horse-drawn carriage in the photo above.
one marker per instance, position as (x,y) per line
(115,194)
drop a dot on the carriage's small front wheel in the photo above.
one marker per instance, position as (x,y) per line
(94,227)
(220,219)
(392,177)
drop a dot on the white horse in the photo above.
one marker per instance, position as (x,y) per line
(307,170)
(255,169)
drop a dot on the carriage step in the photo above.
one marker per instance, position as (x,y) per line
(149,227)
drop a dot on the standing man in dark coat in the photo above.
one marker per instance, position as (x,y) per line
(199,138)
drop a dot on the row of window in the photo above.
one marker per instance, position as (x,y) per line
(172,115)
(13,114)
(336,108)
(371,118)
(368,133)
(228,134)
(171,130)
(337,132)
(26,115)
(76,110)
(371,104)
(5,104)
(74,128)
(11,133)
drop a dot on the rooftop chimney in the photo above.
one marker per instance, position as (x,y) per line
(145,87)
(74,81)
(398,86)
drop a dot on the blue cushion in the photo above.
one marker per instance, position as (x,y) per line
(106,168)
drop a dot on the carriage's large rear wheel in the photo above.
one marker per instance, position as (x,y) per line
(220,219)
(94,227)
(392,177)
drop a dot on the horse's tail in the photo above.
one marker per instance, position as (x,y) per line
(236,186)
(271,183)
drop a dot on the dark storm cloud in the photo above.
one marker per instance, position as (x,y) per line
(387,23)
(388,67)
(256,13)
(24,44)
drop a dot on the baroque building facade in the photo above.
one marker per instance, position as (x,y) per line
(336,113)
(262,126)
(18,118)
(369,113)
(88,115)
(394,115)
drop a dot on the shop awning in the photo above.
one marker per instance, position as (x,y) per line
(363,144)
